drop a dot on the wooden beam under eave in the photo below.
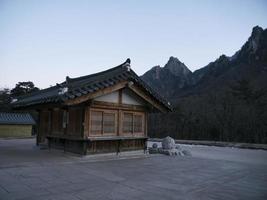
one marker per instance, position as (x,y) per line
(116,106)
(96,94)
(39,106)
(147,98)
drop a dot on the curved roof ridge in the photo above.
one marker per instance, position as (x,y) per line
(125,64)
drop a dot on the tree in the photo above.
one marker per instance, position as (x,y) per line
(243,90)
(23,88)
(5,99)
(252,114)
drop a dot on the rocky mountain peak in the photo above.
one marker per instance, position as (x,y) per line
(173,76)
(176,67)
(223,57)
(256,31)
(253,41)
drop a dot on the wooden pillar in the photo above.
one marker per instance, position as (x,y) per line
(146,121)
(89,121)
(82,121)
(119,125)
(50,114)
(120,97)
(86,122)
(38,128)
(64,121)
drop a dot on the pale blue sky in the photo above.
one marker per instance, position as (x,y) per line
(44,41)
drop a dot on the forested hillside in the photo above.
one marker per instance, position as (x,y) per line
(225,100)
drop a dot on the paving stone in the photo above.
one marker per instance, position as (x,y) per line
(211,173)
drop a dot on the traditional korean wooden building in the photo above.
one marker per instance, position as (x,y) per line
(102,112)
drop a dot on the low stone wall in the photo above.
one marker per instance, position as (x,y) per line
(217,143)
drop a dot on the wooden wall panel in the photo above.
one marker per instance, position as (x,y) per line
(43,126)
(115,146)
(57,122)
(86,122)
(75,122)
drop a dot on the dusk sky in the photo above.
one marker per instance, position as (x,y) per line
(44,41)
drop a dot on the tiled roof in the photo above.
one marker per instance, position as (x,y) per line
(16,118)
(76,87)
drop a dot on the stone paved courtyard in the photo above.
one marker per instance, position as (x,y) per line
(26,172)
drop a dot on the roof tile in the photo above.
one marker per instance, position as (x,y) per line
(87,84)
(16,118)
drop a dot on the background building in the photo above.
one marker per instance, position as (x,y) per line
(16,125)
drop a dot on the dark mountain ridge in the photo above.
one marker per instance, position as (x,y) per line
(224,101)
(175,80)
